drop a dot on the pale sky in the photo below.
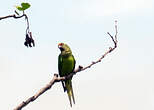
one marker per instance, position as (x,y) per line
(124,80)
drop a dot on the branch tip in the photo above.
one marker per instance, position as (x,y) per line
(56,75)
(93,62)
(110,48)
(116,22)
(80,67)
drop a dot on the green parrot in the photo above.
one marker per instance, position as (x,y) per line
(66,65)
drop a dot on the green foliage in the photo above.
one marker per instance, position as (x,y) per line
(23,6)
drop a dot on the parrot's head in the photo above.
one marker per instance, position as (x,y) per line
(64,48)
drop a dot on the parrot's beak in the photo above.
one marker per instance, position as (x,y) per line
(60,47)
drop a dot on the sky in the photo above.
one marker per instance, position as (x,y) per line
(122,81)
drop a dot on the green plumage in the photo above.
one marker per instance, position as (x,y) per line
(66,65)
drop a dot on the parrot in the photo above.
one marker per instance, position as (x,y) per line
(66,65)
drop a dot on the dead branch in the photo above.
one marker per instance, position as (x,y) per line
(13,16)
(29,41)
(56,78)
(17,17)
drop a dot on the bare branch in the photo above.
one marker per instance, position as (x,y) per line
(16,17)
(29,41)
(41,91)
(56,78)
(12,16)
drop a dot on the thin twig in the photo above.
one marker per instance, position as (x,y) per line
(16,17)
(12,16)
(29,41)
(56,78)
(27,30)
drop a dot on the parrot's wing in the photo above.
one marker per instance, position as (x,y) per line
(60,62)
(74,63)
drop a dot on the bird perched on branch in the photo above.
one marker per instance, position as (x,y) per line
(66,65)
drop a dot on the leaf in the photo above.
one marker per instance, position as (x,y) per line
(19,8)
(23,6)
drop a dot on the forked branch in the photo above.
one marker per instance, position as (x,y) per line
(56,78)
(29,41)
(17,17)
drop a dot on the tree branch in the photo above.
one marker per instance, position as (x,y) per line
(29,41)
(17,17)
(13,16)
(56,78)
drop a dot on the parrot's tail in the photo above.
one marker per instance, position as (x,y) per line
(63,86)
(70,93)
